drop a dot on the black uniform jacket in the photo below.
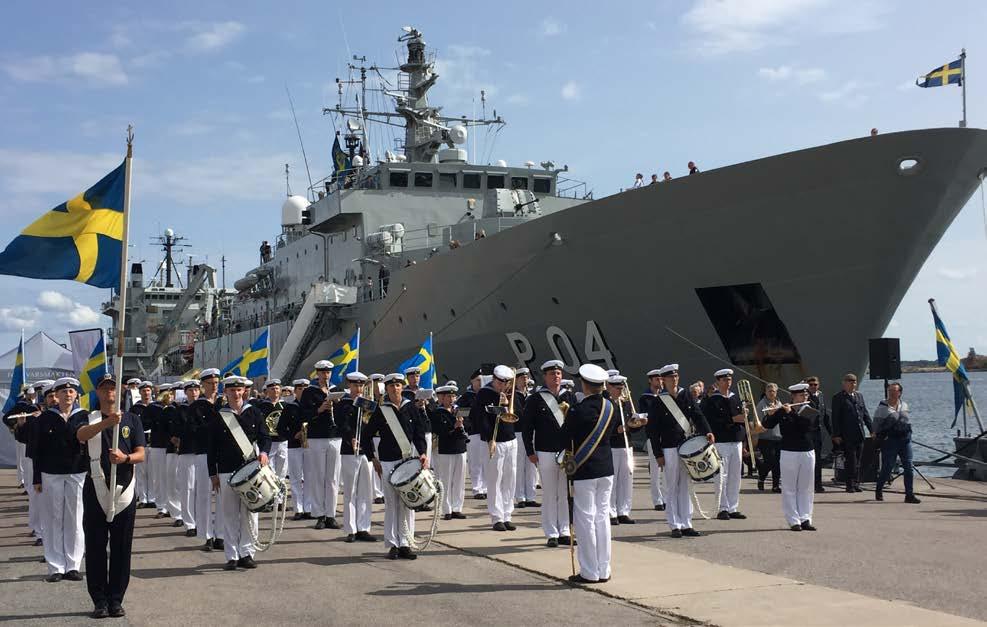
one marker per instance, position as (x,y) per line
(796,428)
(320,424)
(579,423)
(662,428)
(617,440)
(850,417)
(540,431)
(719,411)
(131,438)
(478,414)
(291,422)
(20,407)
(466,402)
(389,451)
(346,418)
(452,440)
(224,455)
(55,449)
(266,407)
(151,417)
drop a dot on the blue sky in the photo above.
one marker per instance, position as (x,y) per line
(646,86)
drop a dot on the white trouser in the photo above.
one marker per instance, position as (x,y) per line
(555,501)
(278,458)
(526,481)
(378,488)
(322,475)
(477,454)
(395,512)
(622,494)
(203,507)
(35,502)
(20,463)
(727,483)
(186,489)
(358,497)
(141,479)
(655,474)
(157,472)
(500,474)
(451,468)
(797,485)
(678,501)
(173,503)
(590,515)
(296,474)
(235,520)
(65,543)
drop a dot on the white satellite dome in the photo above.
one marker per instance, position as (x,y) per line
(501,163)
(291,210)
(169,233)
(357,161)
(458,134)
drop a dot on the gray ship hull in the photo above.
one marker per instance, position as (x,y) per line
(784,266)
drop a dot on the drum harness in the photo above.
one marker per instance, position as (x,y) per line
(408,452)
(280,504)
(688,430)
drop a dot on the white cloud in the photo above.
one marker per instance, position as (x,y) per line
(18,317)
(209,37)
(83,315)
(92,69)
(787,73)
(517,99)
(50,300)
(65,310)
(571,91)
(462,75)
(551,27)
(849,94)
(958,274)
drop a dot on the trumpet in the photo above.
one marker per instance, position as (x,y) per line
(747,396)
(508,417)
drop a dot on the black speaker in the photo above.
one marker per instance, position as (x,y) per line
(885,358)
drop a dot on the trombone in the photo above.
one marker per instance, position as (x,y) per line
(747,396)
(508,417)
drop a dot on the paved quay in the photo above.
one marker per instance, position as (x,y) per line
(869,564)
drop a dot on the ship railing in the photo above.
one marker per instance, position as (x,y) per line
(463,233)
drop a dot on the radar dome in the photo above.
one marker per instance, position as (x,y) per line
(501,163)
(357,161)
(169,233)
(291,210)
(458,134)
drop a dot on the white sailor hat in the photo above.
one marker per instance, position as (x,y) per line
(270,383)
(191,383)
(164,387)
(376,377)
(146,384)
(356,377)
(299,382)
(592,373)
(133,381)
(106,378)
(798,387)
(233,381)
(616,379)
(412,370)
(446,389)
(452,383)
(47,387)
(247,382)
(668,369)
(37,385)
(522,371)
(503,373)
(654,373)
(394,377)
(568,383)
(723,372)
(65,382)
(323,364)
(612,372)
(209,373)
(552,364)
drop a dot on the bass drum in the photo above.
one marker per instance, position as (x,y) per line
(700,458)
(415,485)
(258,486)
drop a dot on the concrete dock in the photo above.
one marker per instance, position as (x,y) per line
(869,564)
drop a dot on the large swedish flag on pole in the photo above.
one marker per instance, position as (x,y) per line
(16,378)
(346,359)
(80,239)
(425,360)
(93,370)
(253,362)
(948,357)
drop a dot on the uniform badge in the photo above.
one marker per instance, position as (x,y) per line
(125,431)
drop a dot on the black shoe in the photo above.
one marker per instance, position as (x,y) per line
(298,516)
(532,503)
(580,580)
(459,515)
(724,515)
(320,523)
(626,520)
(208,546)
(776,489)
(911,499)
(482,497)
(100,611)
(364,536)
(807,526)
(447,517)
(738,516)
(117,611)
(521,504)
(406,553)
(392,554)
(676,533)
(820,489)
(350,538)
(760,486)
(177,523)
(878,495)
(73,575)
(39,542)
(246,562)
(691,533)
(565,540)
(54,577)
(218,544)
(306,516)
(857,488)
(660,507)
(425,508)
(614,521)
(796,527)
(230,565)
(499,527)
(332,524)
(552,542)
(190,533)
(509,525)
(160,515)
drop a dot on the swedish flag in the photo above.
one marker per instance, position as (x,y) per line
(949,74)
(79,240)
(253,362)
(425,360)
(949,358)
(92,372)
(346,359)
(16,379)
(340,160)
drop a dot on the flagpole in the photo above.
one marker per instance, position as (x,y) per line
(121,315)
(963,84)
(357,348)
(435,368)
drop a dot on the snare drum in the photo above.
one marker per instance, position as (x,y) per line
(700,458)
(415,485)
(258,486)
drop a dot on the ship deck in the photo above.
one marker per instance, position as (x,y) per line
(870,563)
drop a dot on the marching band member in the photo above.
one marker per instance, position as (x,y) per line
(188,444)
(544,414)
(23,428)
(37,519)
(59,471)
(798,457)
(476,451)
(279,441)
(170,422)
(355,472)
(322,461)
(224,458)
(377,383)
(395,409)
(450,463)
(23,404)
(296,454)
(725,414)
(108,585)
(142,470)
(526,478)
(622,494)
(156,451)
(206,527)
(644,404)
(499,472)
(413,375)
(586,431)
(669,425)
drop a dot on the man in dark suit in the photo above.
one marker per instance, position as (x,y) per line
(850,417)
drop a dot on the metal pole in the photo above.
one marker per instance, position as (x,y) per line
(963,84)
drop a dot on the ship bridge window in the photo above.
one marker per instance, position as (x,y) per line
(423,179)
(543,185)
(495,181)
(447,181)
(471,180)
(398,179)
(519,182)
